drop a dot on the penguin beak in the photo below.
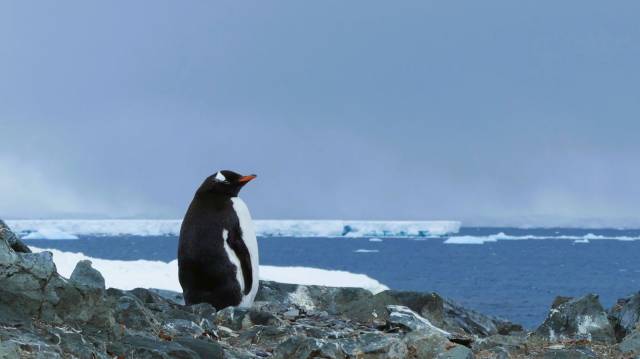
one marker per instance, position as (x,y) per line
(246,179)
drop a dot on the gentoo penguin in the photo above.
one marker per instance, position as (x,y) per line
(218,251)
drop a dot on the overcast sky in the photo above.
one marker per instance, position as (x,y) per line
(489,112)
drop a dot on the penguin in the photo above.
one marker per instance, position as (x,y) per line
(218,251)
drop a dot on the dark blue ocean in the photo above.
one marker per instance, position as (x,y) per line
(514,279)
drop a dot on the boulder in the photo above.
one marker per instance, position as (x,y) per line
(625,315)
(577,319)
(14,242)
(362,306)
(84,275)
(630,345)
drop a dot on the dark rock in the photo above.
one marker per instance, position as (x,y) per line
(300,347)
(631,343)
(84,275)
(570,353)
(580,318)
(146,347)
(360,305)
(410,320)
(174,297)
(505,345)
(9,350)
(14,242)
(206,349)
(625,315)
(456,318)
(131,312)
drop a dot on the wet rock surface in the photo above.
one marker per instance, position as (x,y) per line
(43,315)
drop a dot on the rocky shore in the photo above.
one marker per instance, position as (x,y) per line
(44,315)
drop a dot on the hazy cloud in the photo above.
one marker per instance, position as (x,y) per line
(490,112)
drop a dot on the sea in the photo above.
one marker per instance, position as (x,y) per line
(512,273)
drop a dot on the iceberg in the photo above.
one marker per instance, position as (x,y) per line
(264,228)
(504,237)
(50,233)
(366,251)
(156,274)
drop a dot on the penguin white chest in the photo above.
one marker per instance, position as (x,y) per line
(249,239)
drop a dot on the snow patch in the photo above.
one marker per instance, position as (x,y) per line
(156,274)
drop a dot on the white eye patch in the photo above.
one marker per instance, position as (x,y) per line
(220,177)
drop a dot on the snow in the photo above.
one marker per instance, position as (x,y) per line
(263,228)
(155,274)
(366,251)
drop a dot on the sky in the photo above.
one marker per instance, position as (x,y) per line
(493,113)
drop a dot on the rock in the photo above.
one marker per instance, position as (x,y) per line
(301,347)
(631,343)
(204,348)
(410,320)
(132,314)
(146,347)
(457,318)
(572,353)
(502,345)
(360,305)
(9,350)
(625,315)
(181,327)
(575,319)
(291,314)
(14,242)
(174,297)
(84,275)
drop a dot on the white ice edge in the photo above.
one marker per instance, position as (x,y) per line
(504,237)
(264,228)
(156,274)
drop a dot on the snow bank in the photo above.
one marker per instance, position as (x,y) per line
(264,228)
(155,274)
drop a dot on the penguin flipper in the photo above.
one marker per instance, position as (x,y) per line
(240,248)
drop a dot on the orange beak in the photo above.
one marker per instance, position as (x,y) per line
(245,179)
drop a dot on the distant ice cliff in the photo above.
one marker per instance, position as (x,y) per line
(68,229)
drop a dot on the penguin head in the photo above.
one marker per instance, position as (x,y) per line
(225,182)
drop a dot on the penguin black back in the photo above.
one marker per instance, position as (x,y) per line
(211,240)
